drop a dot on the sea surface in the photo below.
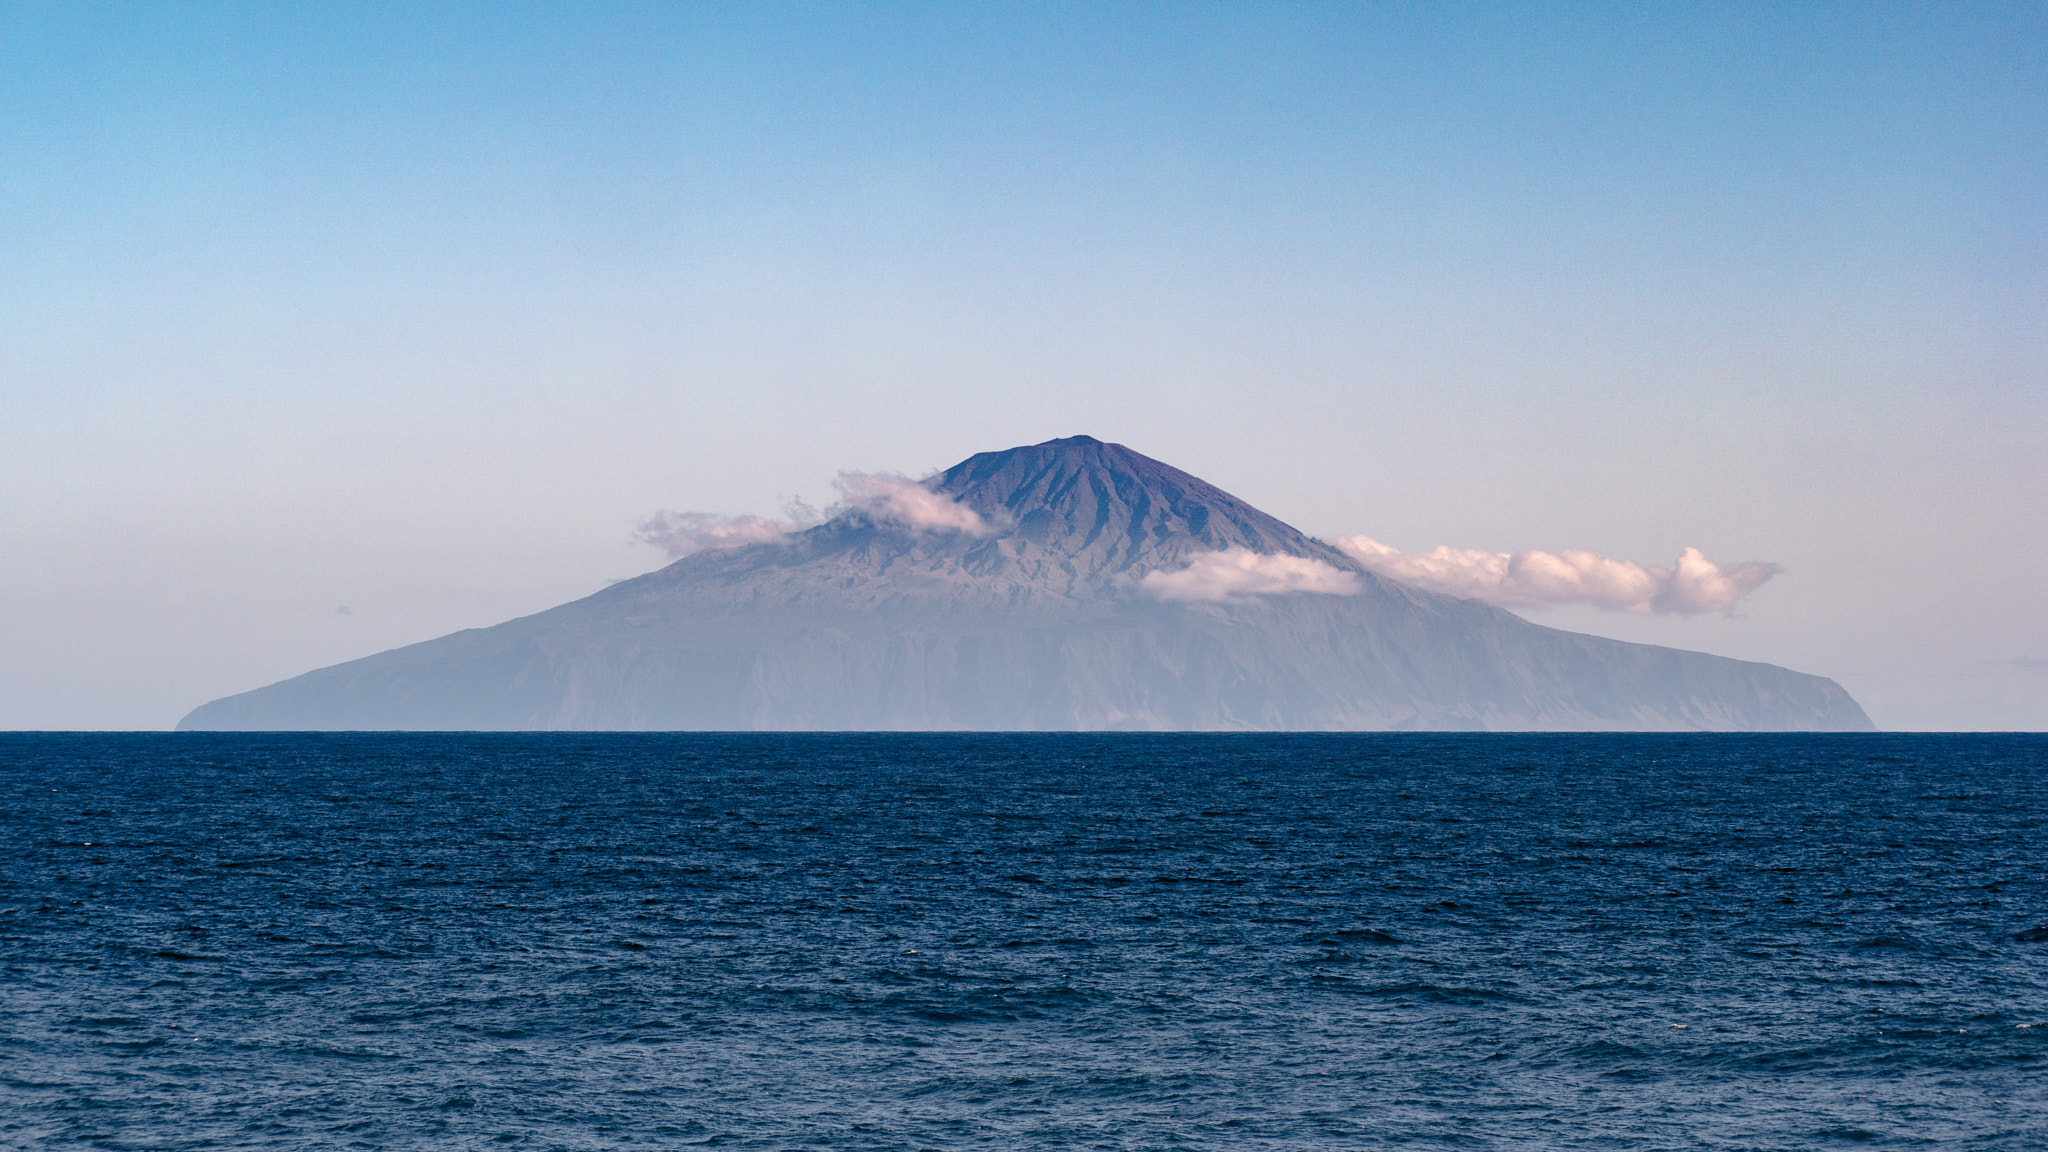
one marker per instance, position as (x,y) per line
(1038,941)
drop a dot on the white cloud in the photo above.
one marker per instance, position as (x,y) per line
(681,533)
(1241,572)
(1694,585)
(906,502)
(891,499)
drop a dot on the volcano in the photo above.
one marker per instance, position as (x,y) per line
(1070,604)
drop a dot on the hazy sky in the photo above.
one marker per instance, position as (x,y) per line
(328,329)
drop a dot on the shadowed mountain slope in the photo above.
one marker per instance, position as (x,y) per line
(1036,622)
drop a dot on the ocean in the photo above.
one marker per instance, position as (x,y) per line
(945,941)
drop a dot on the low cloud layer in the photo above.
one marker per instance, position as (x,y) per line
(898,500)
(879,497)
(682,533)
(1237,573)
(1693,586)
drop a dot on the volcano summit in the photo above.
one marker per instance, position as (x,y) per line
(1067,585)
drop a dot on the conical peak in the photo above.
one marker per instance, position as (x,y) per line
(1082,497)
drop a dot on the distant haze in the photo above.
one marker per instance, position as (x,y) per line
(329,328)
(1067,585)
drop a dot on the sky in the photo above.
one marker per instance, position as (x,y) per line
(330,328)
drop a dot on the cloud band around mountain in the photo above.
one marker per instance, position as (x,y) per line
(880,497)
(1692,586)
(900,500)
(1240,573)
(682,533)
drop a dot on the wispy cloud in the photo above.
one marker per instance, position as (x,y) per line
(682,533)
(879,497)
(899,500)
(1692,586)
(1238,573)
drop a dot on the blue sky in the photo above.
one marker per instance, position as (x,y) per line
(417,310)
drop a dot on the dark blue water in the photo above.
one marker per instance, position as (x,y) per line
(654,941)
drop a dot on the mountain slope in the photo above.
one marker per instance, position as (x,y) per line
(1036,622)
